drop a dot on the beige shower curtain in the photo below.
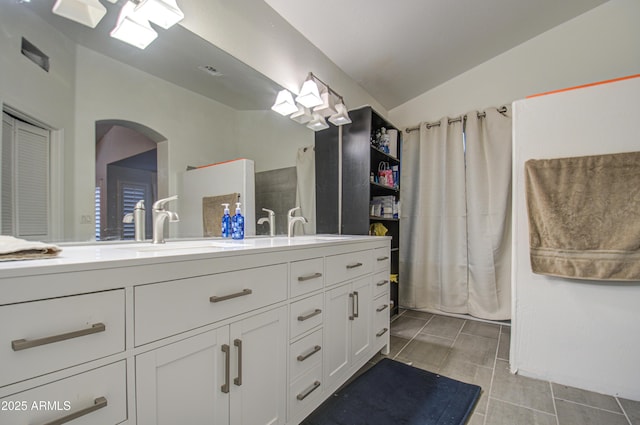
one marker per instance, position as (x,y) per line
(455,224)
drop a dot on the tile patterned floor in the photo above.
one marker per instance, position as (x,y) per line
(478,353)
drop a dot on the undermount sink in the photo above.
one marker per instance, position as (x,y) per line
(194,245)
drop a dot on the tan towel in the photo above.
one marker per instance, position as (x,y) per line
(584,216)
(19,249)
(212,211)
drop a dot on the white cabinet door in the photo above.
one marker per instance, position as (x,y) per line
(181,383)
(259,369)
(361,325)
(337,333)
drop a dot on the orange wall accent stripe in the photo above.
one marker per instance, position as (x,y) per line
(585,85)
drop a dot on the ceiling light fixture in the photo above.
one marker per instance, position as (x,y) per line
(315,102)
(85,12)
(284,104)
(132,28)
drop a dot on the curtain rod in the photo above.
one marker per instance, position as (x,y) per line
(502,110)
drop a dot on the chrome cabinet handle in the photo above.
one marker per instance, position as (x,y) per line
(238,380)
(23,344)
(216,299)
(308,391)
(98,403)
(353,266)
(382,332)
(353,307)
(310,315)
(356,311)
(382,258)
(303,357)
(227,366)
(309,277)
(382,283)
(382,308)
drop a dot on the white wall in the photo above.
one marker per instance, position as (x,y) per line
(575,332)
(601,44)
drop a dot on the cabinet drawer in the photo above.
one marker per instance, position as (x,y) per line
(100,395)
(343,267)
(39,337)
(381,311)
(306,314)
(305,354)
(306,391)
(381,258)
(168,308)
(380,283)
(306,276)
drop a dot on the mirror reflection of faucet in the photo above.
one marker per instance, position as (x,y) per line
(292,220)
(271,219)
(137,217)
(160,215)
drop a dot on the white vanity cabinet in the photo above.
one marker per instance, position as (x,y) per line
(235,374)
(260,333)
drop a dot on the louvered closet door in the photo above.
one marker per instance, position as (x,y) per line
(25,156)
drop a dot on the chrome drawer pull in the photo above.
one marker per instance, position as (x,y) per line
(303,357)
(238,380)
(382,283)
(23,344)
(98,403)
(382,258)
(353,266)
(382,332)
(309,277)
(310,315)
(308,391)
(382,308)
(216,299)
(227,365)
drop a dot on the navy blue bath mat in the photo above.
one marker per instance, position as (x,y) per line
(393,393)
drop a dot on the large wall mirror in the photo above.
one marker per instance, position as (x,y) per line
(110,108)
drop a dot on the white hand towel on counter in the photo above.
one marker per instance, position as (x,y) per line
(19,249)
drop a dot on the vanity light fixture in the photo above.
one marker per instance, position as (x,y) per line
(284,104)
(85,12)
(133,28)
(302,115)
(164,13)
(341,117)
(309,94)
(327,107)
(317,123)
(313,105)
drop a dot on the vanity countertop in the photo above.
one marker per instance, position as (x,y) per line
(79,257)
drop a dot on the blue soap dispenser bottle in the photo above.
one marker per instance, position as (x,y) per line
(237,224)
(226,222)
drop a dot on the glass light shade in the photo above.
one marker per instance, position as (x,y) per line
(318,123)
(341,117)
(309,95)
(327,107)
(284,104)
(164,13)
(302,115)
(133,29)
(85,12)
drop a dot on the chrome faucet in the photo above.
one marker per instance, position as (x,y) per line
(159,217)
(137,217)
(271,219)
(291,221)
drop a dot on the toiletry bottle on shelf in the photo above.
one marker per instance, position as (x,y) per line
(237,224)
(226,222)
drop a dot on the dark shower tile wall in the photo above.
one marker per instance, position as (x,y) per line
(275,190)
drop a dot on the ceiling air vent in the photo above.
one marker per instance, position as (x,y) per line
(34,54)
(210,70)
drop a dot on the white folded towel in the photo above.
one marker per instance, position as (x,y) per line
(19,249)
